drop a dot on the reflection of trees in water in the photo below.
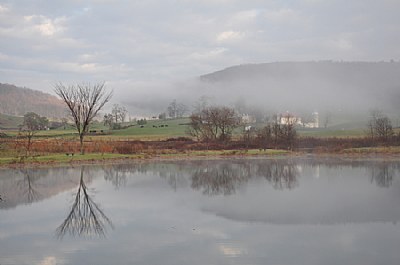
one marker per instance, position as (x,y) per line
(281,174)
(172,178)
(85,218)
(215,179)
(117,174)
(28,186)
(382,174)
(225,177)
(174,174)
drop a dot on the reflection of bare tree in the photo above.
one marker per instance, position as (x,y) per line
(217,179)
(224,178)
(214,177)
(382,175)
(117,174)
(281,174)
(173,174)
(171,177)
(30,193)
(85,218)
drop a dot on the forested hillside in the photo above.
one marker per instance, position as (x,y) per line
(17,101)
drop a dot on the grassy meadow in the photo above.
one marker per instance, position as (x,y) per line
(9,122)
(153,130)
(164,129)
(157,130)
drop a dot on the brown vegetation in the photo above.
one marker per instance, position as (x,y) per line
(183,144)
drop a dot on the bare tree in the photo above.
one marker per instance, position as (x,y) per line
(288,132)
(213,123)
(119,113)
(196,128)
(176,110)
(202,103)
(264,136)
(32,123)
(383,128)
(379,125)
(172,109)
(108,120)
(279,132)
(226,121)
(162,116)
(117,116)
(181,110)
(84,102)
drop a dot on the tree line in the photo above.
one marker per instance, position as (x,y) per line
(217,124)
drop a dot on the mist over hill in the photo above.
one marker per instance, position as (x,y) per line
(17,101)
(347,89)
(352,86)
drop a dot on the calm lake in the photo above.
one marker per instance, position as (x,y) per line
(234,211)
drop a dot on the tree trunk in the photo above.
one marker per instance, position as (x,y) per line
(28,146)
(81,142)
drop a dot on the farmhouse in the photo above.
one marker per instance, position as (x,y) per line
(307,122)
(246,118)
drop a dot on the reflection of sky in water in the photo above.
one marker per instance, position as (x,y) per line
(163,213)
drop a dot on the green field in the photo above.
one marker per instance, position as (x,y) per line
(324,133)
(10,122)
(98,157)
(62,158)
(170,128)
(156,129)
(153,130)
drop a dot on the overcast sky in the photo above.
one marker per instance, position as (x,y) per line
(131,44)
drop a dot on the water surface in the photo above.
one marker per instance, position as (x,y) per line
(234,211)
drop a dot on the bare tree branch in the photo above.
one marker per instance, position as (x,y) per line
(84,102)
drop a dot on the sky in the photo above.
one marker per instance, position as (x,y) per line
(143,46)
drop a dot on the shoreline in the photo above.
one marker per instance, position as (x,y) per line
(213,154)
(138,158)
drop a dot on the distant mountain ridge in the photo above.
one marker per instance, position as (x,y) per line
(328,69)
(17,101)
(355,86)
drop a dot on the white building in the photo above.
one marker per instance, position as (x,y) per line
(314,122)
(246,118)
(288,118)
